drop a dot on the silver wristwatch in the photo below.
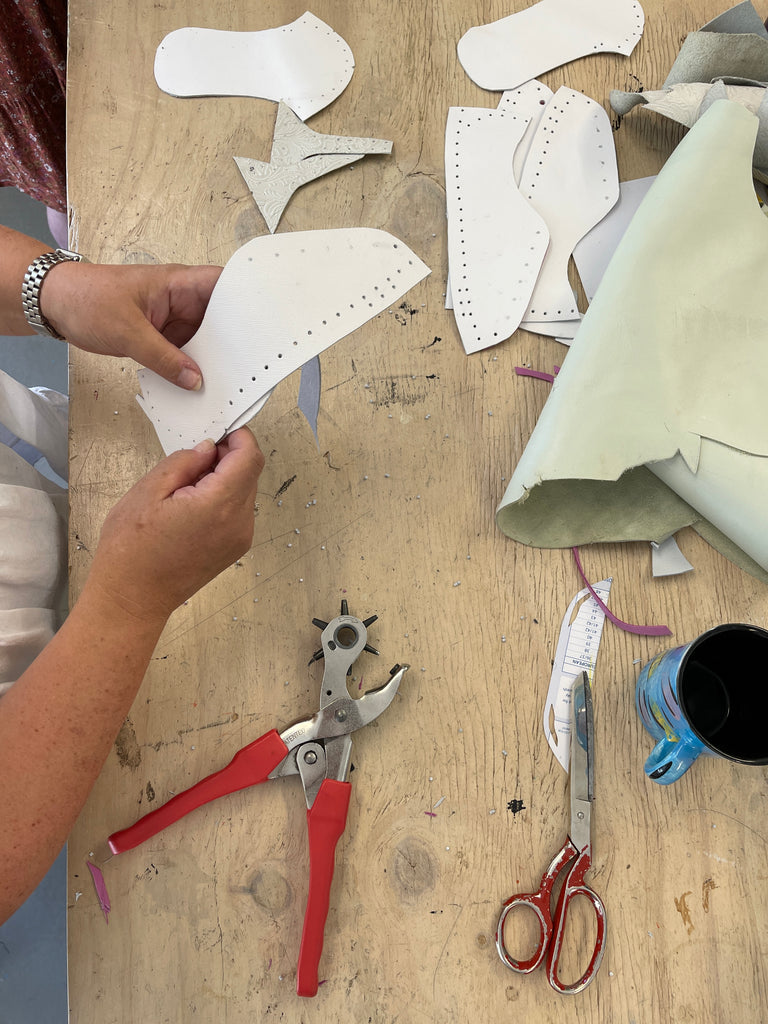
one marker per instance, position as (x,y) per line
(33,282)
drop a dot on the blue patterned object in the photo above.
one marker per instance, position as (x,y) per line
(705,698)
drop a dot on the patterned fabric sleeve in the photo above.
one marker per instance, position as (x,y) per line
(33,47)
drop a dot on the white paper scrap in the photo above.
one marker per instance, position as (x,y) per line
(280,301)
(576,652)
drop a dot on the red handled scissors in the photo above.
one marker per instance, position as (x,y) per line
(318,750)
(576,852)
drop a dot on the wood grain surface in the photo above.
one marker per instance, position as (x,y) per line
(395,512)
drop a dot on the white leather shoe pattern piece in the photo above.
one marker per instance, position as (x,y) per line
(508,52)
(305,63)
(496,240)
(571,179)
(281,300)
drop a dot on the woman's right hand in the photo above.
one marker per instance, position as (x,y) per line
(178,527)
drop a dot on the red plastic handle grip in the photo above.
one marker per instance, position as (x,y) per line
(326,820)
(248,767)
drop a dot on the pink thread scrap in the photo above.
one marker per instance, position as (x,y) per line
(430,814)
(101,889)
(523,371)
(626,626)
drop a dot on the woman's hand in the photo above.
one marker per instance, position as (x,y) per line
(178,527)
(146,312)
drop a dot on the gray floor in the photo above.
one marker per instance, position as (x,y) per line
(33,943)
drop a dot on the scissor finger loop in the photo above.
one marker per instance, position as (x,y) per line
(540,907)
(556,945)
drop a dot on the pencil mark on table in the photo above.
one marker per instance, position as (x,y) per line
(267,579)
(730,817)
(445,946)
(232,717)
(82,466)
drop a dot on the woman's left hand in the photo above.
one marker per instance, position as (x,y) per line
(146,312)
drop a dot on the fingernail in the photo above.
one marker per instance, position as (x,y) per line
(206,445)
(190,379)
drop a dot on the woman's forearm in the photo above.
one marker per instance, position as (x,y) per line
(16,253)
(176,529)
(57,725)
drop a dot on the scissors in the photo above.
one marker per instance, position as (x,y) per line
(576,852)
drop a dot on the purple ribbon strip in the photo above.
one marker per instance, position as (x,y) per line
(101,889)
(523,371)
(626,626)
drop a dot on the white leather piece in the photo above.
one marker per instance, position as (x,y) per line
(305,63)
(527,101)
(571,179)
(496,241)
(508,52)
(595,250)
(667,559)
(281,300)
(593,254)
(563,331)
(670,352)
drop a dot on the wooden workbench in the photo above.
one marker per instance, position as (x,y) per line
(395,512)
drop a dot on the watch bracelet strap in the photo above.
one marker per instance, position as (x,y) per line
(33,282)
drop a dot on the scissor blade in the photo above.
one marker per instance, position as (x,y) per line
(582,759)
